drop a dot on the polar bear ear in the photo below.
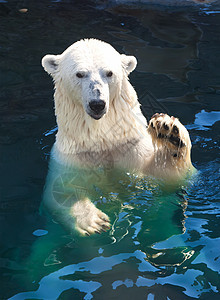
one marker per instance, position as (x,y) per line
(50,63)
(129,63)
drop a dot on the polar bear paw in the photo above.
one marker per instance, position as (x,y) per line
(169,133)
(88,218)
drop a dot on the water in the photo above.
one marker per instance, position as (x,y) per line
(162,245)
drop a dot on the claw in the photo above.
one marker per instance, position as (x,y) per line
(106,226)
(155,116)
(104,219)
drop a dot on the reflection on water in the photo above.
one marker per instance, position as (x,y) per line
(162,244)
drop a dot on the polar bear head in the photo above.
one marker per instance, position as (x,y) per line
(90,73)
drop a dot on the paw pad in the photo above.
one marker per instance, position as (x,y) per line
(165,126)
(175,129)
(165,129)
(176,141)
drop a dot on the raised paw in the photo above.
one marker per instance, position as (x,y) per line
(169,133)
(88,218)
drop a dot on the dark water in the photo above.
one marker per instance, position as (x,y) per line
(162,245)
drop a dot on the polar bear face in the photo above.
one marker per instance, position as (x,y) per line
(90,72)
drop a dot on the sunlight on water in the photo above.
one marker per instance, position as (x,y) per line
(204,120)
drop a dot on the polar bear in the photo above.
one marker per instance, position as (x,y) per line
(101,127)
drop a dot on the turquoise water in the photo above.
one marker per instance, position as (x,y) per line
(162,245)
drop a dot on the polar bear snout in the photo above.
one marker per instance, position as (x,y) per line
(97,108)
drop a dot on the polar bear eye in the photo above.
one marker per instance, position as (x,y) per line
(109,74)
(80,75)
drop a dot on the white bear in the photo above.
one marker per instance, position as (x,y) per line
(101,127)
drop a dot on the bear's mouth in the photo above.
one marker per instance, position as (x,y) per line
(96,116)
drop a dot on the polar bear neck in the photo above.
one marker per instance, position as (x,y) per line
(78,132)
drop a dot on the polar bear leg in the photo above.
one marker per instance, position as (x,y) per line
(88,218)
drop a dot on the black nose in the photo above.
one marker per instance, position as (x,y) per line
(97,106)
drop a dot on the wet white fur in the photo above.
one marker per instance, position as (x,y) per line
(122,123)
(120,134)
